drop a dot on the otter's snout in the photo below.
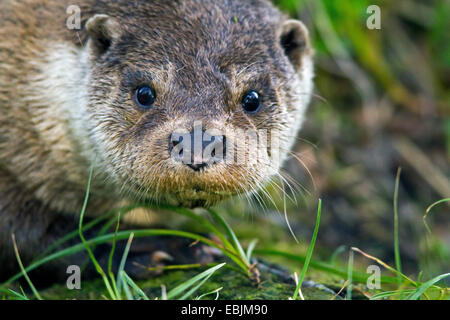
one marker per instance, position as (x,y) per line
(198,149)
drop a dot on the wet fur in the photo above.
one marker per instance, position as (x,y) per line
(63,105)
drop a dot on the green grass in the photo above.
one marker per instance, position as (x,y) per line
(121,286)
(396,237)
(309,253)
(350,276)
(24,273)
(429,210)
(124,285)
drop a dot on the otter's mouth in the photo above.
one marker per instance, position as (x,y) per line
(190,195)
(197,197)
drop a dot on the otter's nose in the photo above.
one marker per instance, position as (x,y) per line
(198,149)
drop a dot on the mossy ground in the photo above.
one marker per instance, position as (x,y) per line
(236,286)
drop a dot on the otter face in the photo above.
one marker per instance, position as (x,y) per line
(190,107)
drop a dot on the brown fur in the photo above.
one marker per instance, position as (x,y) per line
(199,55)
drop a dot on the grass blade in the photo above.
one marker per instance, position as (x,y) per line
(384,264)
(398,264)
(180,267)
(18,295)
(232,236)
(188,213)
(424,287)
(309,253)
(336,253)
(123,235)
(250,249)
(388,294)
(123,261)
(110,260)
(133,285)
(86,244)
(360,277)
(126,288)
(217,292)
(24,272)
(194,289)
(428,211)
(350,276)
(199,279)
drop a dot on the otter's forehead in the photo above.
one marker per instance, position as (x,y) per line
(219,33)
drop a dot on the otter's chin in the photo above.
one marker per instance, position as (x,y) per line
(196,198)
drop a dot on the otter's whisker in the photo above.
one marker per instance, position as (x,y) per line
(287,219)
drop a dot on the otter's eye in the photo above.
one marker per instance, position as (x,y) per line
(251,102)
(145,97)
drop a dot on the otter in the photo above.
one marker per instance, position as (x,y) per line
(115,90)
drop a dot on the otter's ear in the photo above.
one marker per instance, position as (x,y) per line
(295,41)
(102,30)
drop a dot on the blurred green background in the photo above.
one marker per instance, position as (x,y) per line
(381,102)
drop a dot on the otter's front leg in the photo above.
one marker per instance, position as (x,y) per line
(35,228)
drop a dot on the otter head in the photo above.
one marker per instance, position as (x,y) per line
(191,106)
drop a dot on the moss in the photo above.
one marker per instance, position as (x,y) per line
(236,286)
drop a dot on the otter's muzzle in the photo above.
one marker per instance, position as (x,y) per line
(198,149)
